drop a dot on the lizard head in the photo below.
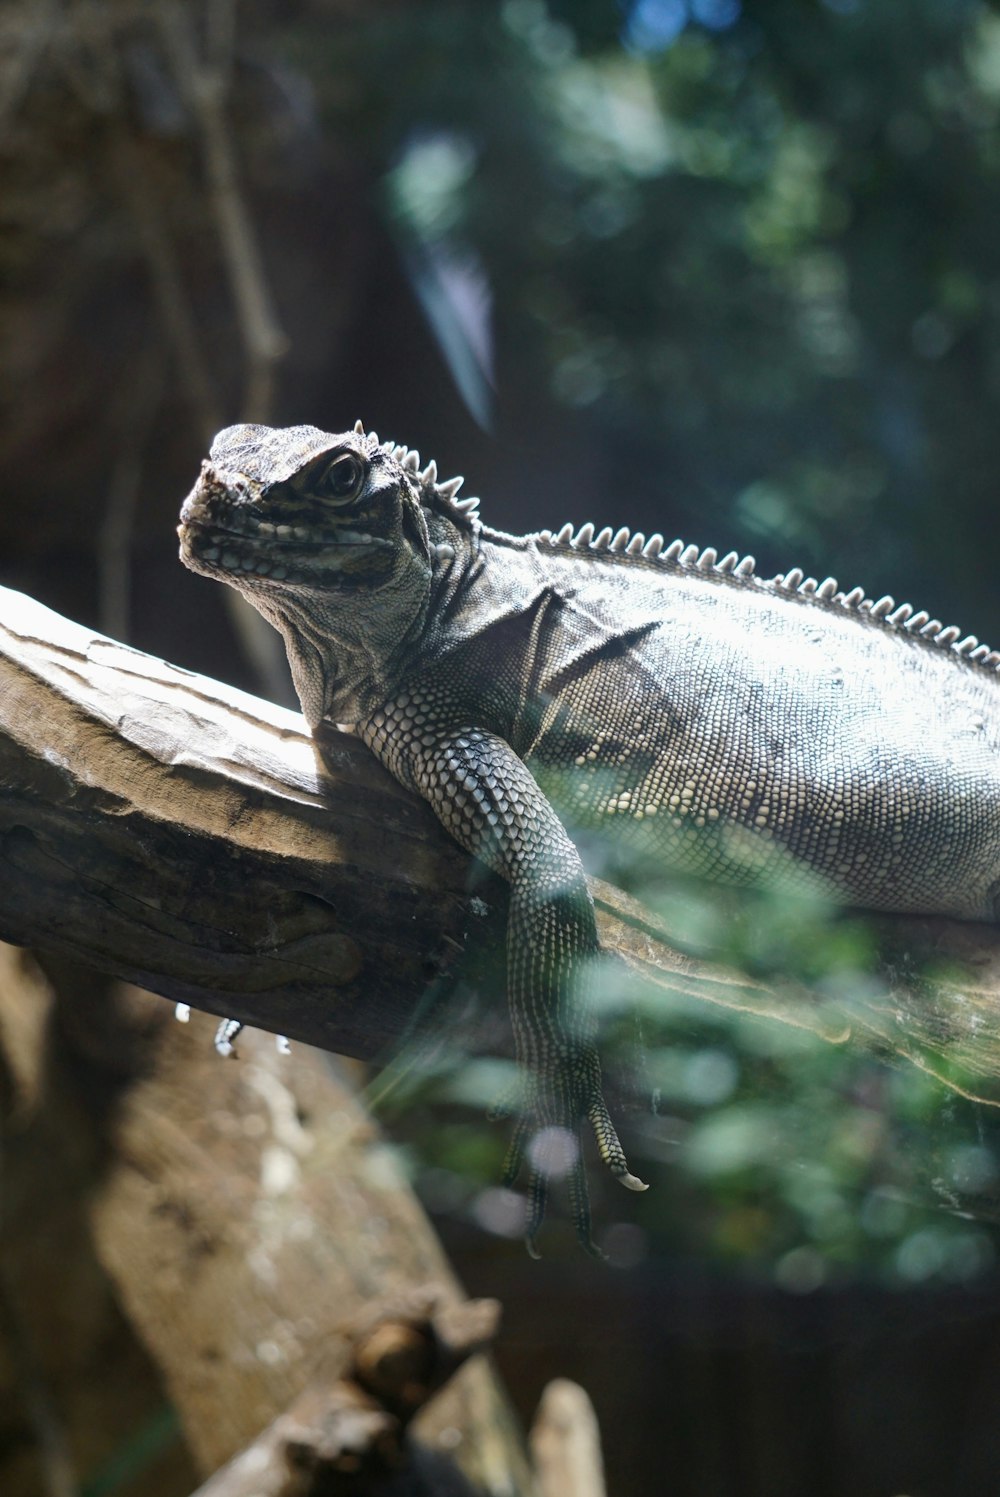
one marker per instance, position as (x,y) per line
(326,536)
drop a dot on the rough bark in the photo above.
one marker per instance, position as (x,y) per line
(250,1212)
(187,837)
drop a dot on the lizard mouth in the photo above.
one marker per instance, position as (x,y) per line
(234,540)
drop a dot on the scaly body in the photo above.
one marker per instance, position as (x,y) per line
(740,730)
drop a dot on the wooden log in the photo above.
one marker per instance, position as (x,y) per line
(194,839)
(188,837)
(77,1387)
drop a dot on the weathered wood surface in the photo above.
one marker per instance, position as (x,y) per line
(189,837)
(185,836)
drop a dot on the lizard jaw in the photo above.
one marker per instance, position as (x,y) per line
(218,551)
(230,539)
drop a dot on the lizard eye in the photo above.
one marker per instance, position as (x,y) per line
(342,480)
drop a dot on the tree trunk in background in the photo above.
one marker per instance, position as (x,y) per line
(181,1227)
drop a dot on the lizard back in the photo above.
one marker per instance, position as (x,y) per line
(742,732)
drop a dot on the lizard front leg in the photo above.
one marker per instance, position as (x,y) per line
(488,800)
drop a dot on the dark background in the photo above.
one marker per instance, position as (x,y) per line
(727,271)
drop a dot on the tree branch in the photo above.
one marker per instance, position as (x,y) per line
(189,837)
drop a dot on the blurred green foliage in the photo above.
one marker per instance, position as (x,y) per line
(751,246)
(771,1151)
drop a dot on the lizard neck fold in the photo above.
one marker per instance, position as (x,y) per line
(481,577)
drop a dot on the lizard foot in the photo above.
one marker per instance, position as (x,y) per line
(546,1136)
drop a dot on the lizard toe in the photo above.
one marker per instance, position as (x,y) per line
(609,1146)
(514,1157)
(538,1192)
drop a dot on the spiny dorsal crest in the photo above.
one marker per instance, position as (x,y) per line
(884,610)
(587,540)
(438,493)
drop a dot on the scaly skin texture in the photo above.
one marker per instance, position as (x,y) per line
(738,730)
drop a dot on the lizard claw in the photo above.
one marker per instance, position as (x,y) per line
(632,1182)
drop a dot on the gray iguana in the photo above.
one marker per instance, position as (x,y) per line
(738,729)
